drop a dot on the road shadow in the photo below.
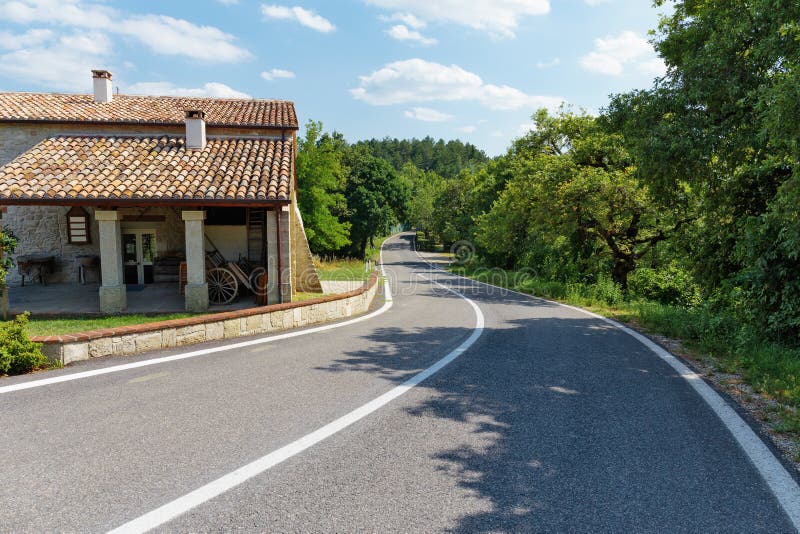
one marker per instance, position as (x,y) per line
(572,424)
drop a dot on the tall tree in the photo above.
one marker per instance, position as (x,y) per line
(322,178)
(377,197)
(575,187)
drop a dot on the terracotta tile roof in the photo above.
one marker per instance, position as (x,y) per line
(97,169)
(126,109)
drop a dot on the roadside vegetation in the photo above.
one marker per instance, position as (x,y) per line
(18,354)
(342,269)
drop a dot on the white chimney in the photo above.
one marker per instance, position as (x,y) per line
(195,130)
(103,92)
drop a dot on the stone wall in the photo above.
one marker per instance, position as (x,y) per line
(306,277)
(136,339)
(43,230)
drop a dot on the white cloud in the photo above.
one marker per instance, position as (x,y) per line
(212,89)
(277,74)
(306,17)
(28,39)
(498,17)
(427,115)
(61,12)
(406,18)
(417,80)
(94,43)
(162,34)
(53,65)
(467,129)
(61,62)
(548,64)
(169,36)
(613,53)
(402,33)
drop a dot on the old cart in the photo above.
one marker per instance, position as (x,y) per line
(226,278)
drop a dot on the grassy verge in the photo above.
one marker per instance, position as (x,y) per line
(69,325)
(712,336)
(342,269)
(373,253)
(345,269)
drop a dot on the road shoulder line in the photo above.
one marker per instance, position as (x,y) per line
(782,485)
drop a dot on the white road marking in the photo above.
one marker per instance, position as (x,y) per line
(780,482)
(205,352)
(183,504)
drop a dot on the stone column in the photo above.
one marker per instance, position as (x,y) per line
(196,290)
(285,229)
(113,298)
(273,282)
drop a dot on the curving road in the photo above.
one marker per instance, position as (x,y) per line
(550,420)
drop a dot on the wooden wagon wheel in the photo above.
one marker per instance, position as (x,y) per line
(222,286)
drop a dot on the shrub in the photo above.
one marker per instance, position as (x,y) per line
(671,285)
(18,354)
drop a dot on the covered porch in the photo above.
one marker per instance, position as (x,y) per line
(152,210)
(75,299)
(155,259)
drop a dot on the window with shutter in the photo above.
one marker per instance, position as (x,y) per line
(78,226)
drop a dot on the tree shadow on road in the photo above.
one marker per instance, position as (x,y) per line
(556,441)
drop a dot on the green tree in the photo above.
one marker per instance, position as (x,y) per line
(322,178)
(424,187)
(576,188)
(377,197)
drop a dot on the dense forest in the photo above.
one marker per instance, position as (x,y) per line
(350,194)
(686,193)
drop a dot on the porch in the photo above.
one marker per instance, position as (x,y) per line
(75,299)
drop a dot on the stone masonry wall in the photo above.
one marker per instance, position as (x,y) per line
(306,278)
(176,333)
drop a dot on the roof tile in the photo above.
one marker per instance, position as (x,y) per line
(129,109)
(159,168)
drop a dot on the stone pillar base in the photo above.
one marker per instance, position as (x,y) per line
(196,297)
(113,299)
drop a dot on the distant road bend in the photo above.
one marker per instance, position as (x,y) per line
(461,408)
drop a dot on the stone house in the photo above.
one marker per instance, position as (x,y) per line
(153,187)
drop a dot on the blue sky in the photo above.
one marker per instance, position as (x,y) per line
(469,69)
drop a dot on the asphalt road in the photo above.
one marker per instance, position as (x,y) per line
(551,421)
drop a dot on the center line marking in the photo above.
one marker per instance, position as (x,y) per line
(203,494)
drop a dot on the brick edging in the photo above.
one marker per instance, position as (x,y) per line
(200,319)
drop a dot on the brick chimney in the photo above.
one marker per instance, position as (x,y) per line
(103,92)
(195,130)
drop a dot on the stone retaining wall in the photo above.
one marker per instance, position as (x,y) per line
(135,339)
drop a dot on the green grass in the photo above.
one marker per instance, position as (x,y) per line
(342,269)
(373,253)
(71,325)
